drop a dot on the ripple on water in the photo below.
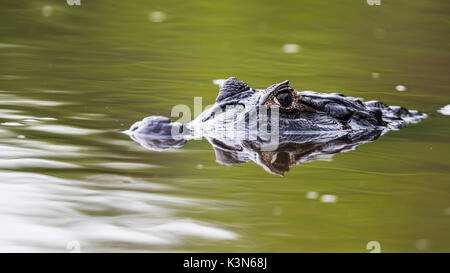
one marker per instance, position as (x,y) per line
(10,99)
(191,228)
(32,148)
(12,114)
(89,116)
(11,124)
(5,45)
(126,165)
(11,77)
(44,213)
(32,102)
(115,181)
(33,163)
(63,129)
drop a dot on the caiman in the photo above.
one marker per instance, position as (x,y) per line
(304,125)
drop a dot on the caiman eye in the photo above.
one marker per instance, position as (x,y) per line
(284,99)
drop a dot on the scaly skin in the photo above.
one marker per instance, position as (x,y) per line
(310,125)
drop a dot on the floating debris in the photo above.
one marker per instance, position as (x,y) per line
(400,88)
(375,75)
(312,195)
(291,48)
(445,110)
(157,16)
(47,11)
(328,198)
(21,136)
(199,166)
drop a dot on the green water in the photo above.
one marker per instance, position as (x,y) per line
(73,77)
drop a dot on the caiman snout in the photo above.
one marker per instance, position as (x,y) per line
(306,104)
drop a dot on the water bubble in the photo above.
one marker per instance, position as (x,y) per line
(291,48)
(447,211)
(312,195)
(400,88)
(277,211)
(375,75)
(379,33)
(328,198)
(157,16)
(199,166)
(445,110)
(422,244)
(21,136)
(47,11)
(225,44)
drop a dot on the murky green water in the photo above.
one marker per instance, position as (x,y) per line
(72,78)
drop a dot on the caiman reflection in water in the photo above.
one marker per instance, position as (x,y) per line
(310,125)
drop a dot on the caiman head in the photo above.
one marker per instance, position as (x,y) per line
(310,125)
(302,112)
(298,111)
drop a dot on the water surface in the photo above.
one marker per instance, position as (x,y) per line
(73,78)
